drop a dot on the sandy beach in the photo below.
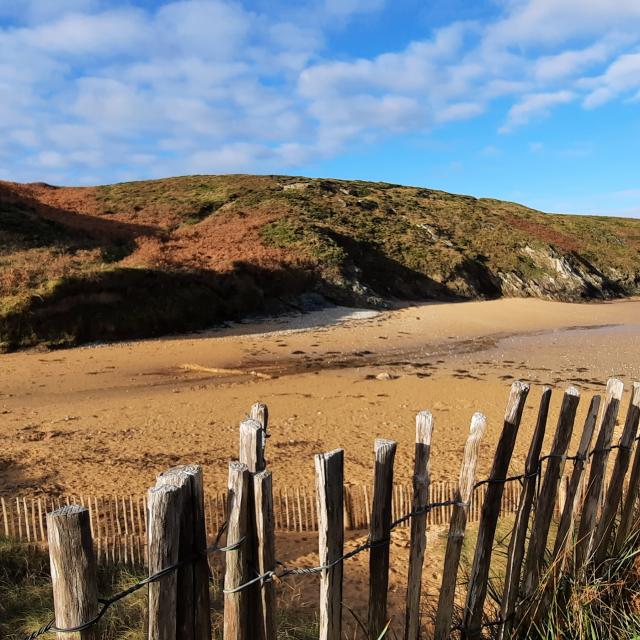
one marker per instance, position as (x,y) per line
(108,418)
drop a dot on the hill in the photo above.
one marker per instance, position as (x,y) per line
(148,258)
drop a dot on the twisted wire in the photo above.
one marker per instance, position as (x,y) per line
(275,575)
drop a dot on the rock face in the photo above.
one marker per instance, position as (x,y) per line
(566,277)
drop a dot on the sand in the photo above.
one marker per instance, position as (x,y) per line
(107,418)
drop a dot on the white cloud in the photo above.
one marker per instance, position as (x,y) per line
(533,106)
(621,76)
(550,22)
(459,111)
(214,85)
(568,63)
(108,33)
(345,8)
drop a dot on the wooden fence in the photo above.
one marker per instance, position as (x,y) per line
(180,517)
(119,524)
(24,518)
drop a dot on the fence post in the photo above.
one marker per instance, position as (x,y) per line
(266,552)
(599,461)
(548,494)
(385,451)
(260,413)
(165,504)
(457,527)
(73,571)
(571,500)
(329,488)
(479,577)
(515,552)
(629,502)
(193,612)
(252,446)
(5,518)
(614,493)
(418,540)
(236,614)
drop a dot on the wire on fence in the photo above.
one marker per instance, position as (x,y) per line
(274,575)
(109,602)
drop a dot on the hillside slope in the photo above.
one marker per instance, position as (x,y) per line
(147,258)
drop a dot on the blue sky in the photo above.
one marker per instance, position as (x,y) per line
(535,101)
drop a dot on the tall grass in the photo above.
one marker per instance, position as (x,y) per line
(26,601)
(601,602)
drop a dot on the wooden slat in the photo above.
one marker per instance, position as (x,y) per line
(614,492)
(548,494)
(73,571)
(457,528)
(630,500)
(385,451)
(479,576)
(329,487)
(571,500)
(516,550)
(236,615)
(599,459)
(265,553)
(5,518)
(418,538)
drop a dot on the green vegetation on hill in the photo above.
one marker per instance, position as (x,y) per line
(148,258)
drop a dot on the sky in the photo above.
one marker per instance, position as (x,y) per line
(535,101)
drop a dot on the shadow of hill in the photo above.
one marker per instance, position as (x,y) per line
(142,303)
(390,278)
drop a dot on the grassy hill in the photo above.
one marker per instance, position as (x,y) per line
(148,258)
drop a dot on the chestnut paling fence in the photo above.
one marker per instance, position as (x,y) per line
(592,509)
(119,522)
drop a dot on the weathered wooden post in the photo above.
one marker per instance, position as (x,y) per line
(236,614)
(548,492)
(599,461)
(418,541)
(260,413)
(385,451)
(193,612)
(571,500)
(252,447)
(266,552)
(457,528)
(614,492)
(73,571)
(515,552)
(329,488)
(165,506)
(630,500)
(479,576)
